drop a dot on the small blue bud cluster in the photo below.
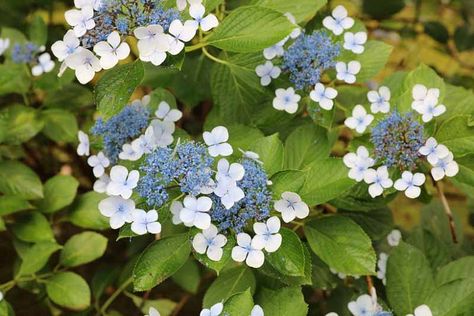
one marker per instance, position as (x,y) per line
(24,53)
(189,165)
(397,140)
(254,206)
(308,57)
(126,15)
(121,128)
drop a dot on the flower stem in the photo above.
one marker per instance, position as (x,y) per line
(195,47)
(117,292)
(447,210)
(217,60)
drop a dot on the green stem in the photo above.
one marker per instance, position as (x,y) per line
(195,47)
(117,292)
(217,60)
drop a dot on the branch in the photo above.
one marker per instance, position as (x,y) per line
(447,210)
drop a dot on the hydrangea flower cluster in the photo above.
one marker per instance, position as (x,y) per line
(201,187)
(399,144)
(305,57)
(99,28)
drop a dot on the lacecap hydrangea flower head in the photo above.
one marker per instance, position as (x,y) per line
(149,174)
(400,145)
(307,59)
(99,30)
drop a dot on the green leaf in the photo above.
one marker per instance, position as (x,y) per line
(437,31)
(372,60)
(164,306)
(377,223)
(69,290)
(36,257)
(342,244)
(240,304)
(436,252)
(289,259)
(455,270)
(306,144)
(14,78)
(71,96)
(188,277)
(241,30)
(409,279)
(38,32)
(228,283)
(21,123)
(302,10)
(33,227)
(325,180)
(83,248)
(10,204)
(457,135)
(271,152)
(18,179)
(242,137)
(382,10)
(453,299)
(160,260)
(114,89)
(226,255)
(59,192)
(85,212)
(287,180)
(282,302)
(59,125)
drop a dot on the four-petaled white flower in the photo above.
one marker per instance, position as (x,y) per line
(81,20)
(267,234)
(379,100)
(118,209)
(210,242)
(4,44)
(358,163)
(266,72)
(248,250)
(324,96)
(394,237)
(445,166)
(196,11)
(274,50)
(162,132)
(100,185)
(433,151)
(232,172)
(291,206)
(355,42)
(145,222)
(359,120)
(181,33)
(422,310)
(122,182)
(339,21)
(175,209)
(431,109)
(229,192)
(215,310)
(410,183)
(129,153)
(422,96)
(378,180)
(152,43)
(196,212)
(83,147)
(84,63)
(286,100)
(257,310)
(66,47)
(216,140)
(98,162)
(45,64)
(112,50)
(181,4)
(382,267)
(166,113)
(363,306)
(347,72)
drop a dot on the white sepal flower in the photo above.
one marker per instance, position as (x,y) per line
(379,101)
(231,172)
(206,23)
(445,166)
(100,185)
(129,153)
(145,222)
(162,132)
(215,310)
(98,162)
(216,140)
(152,43)
(355,42)
(410,183)
(274,50)
(122,182)
(363,306)
(175,209)
(4,44)
(166,113)
(84,63)
(358,163)
(181,33)
(196,212)
(248,250)
(382,267)
(422,95)
(229,192)
(153,312)
(181,4)
(267,234)
(286,100)
(118,209)
(359,120)
(394,238)
(45,64)
(251,155)
(339,21)
(431,109)
(112,50)
(95,4)
(324,96)
(297,30)
(210,242)
(422,310)
(378,180)
(433,151)
(267,72)
(291,206)
(83,147)
(347,72)
(81,20)
(66,47)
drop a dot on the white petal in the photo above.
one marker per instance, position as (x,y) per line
(239,254)
(255,259)
(413,192)
(200,243)
(209,22)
